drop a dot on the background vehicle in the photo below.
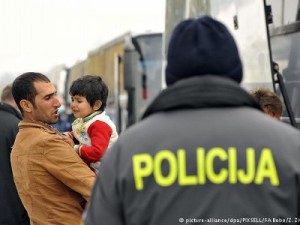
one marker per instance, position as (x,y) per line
(131,66)
(266,31)
(267,34)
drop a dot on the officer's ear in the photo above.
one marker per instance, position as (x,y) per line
(97,105)
(26,105)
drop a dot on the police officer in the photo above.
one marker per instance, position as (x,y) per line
(204,152)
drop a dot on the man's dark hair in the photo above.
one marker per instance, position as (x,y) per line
(23,88)
(91,87)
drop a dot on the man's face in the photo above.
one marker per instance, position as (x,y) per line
(46,103)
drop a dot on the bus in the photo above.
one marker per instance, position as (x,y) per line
(266,32)
(130,65)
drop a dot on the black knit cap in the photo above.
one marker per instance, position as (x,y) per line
(200,47)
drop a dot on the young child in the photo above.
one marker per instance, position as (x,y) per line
(269,102)
(92,128)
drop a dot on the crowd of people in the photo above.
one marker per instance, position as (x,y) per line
(204,148)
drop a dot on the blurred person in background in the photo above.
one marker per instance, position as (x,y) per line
(269,102)
(12,210)
(203,152)
(53,182)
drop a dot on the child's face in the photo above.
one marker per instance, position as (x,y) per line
(80,107)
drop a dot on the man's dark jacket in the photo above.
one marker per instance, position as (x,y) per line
(204,153)
(12,211)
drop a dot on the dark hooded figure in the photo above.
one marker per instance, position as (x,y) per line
(204,152)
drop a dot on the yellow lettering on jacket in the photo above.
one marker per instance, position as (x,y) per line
(170,178)
(183,178)
(247,177)
(215,165)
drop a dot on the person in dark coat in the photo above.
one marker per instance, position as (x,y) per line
(12,211)
(204,151)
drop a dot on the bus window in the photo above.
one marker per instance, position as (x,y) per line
(151,48)
(286,53)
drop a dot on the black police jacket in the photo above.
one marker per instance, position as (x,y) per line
(203,153)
